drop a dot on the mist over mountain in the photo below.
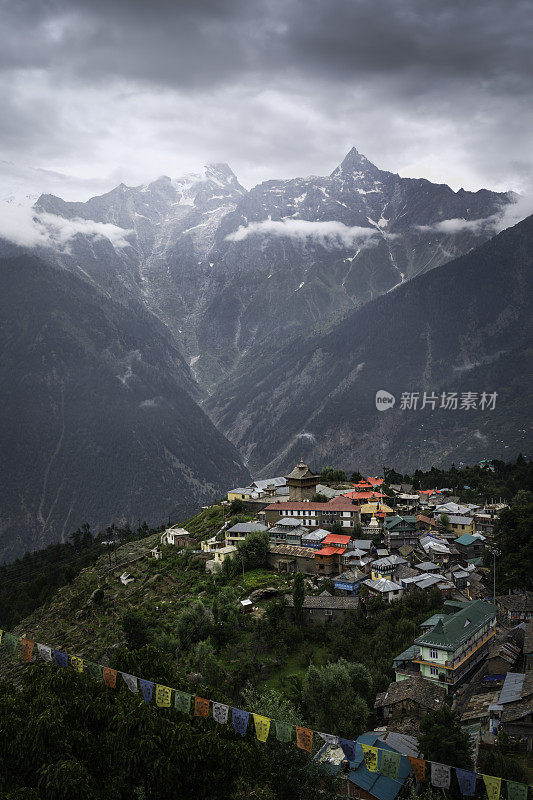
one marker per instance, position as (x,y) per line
(123,315)
(225,268)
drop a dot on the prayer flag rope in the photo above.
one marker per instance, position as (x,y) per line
(376,759)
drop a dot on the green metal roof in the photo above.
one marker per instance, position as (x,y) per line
(391,522)
(449,633)
(428,623)
(467,538)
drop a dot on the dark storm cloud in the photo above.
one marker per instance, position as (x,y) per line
(275,86)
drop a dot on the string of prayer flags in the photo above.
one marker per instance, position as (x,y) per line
(418,765)
(182,702)
(441,775)
(163,696)
(390,763)
(60,658)
(466,781)
(77,663)
(329,738)
(130,681)
(304,739)
(348,748)
(220,713)
(94,670)
(239,719)
(262,727)
(10,642)
(370,754)
(516,791)
(201,707)
(110,677)
(27,649)
(283,731)
(493,786)
(147,689)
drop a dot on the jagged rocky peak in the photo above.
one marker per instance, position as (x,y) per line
(357,165)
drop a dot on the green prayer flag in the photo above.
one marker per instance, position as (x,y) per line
(182,702)
(390,763)
(10,642)
(283,731)
(94,670)
(516,791)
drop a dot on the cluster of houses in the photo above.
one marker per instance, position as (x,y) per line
(357,542)
(359,537)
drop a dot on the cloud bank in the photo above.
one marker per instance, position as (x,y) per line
(330,233)
(27,228)
(509,215)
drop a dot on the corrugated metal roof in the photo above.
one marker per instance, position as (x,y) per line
(512,688)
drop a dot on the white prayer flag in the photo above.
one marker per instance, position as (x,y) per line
(220,713)
(440,775)
(45,652)
(130,681)
(329,738)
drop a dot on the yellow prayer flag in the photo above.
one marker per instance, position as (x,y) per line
(77,663)
(1,634)
(493,786)
(262,727)
(163,696)
(370,754)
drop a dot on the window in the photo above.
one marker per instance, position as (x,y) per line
(433,653)
(434,670)
(328,612)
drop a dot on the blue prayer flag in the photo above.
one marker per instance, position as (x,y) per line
(147,689)
(348,748)
(467,782)
(240,720)
(60,658)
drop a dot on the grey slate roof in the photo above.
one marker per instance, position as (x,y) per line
(246,527)
(425,693)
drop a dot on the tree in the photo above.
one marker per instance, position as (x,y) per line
(319,498)
(356,476)
(204,661)
(237,506)
(443,740)
(331,475)
(225,616)
(298,595)
(330,701)
(444,522)
(513,538)
(135,629)
(254,550)
(193,625)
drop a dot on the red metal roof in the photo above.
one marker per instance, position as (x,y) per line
(330,551)
(336,538)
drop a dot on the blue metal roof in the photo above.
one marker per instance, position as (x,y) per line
(375,783)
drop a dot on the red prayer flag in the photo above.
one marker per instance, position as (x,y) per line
(419,767)
(27,649)
(201,707)
(304,739)
(110,677)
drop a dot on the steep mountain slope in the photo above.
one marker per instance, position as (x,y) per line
(465,326)
(229,270)
(98,422)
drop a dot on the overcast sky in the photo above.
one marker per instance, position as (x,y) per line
(96,92)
